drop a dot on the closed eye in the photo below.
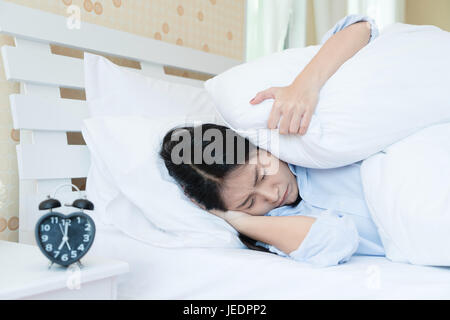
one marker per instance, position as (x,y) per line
(251,203)
(253,199)
(263,175)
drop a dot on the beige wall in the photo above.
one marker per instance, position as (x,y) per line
(435,12)
(9,208)
(310,27)
(215,26)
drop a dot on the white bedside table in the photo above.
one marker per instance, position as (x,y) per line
(24,274)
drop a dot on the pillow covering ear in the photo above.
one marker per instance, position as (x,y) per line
(391,88)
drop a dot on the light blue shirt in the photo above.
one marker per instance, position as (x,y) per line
(335,197)
(349,20)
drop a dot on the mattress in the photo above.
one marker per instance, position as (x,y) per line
(234,274)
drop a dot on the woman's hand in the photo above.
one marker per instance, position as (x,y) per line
(229,216)
(294,104)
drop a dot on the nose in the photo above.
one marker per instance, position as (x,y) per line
(269,193)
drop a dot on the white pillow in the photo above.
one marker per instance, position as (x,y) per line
(128,147)
(408,194)
(115,91)
(140,95)
(391,88)
(136,94)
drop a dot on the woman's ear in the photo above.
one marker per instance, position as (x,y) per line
(269,162)
(264,158)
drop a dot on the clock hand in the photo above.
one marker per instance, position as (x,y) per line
(65,230)
(63,239)
(66,237)
(60,227)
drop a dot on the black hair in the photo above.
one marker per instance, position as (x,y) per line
(203,180)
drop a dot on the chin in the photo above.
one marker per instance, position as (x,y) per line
(294,201)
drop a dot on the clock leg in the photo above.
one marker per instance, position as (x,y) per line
(50,265)
(80,265)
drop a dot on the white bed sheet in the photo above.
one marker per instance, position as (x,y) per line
(200,273)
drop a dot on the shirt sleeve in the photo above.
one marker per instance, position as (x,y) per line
(349,20)
(331,240)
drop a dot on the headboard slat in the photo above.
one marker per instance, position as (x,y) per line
(50,69)
(23,22)
(41,68)
(32,112)
(52,162)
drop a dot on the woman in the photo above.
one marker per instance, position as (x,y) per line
(311,215)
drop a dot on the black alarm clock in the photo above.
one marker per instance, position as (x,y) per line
(65,239)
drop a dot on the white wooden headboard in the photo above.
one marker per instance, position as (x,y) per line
(45,160)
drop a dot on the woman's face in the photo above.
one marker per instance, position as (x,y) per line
(263,184)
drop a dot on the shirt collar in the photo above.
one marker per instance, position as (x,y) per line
(292,168)
(301,175)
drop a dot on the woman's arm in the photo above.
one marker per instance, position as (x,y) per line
(325,240)
(333,54)
(295,104)
(285,233)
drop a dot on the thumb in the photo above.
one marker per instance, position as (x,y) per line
(263,95)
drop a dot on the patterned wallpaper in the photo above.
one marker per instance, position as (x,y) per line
(9,188)
(215,26)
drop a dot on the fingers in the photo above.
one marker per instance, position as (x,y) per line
(274,116)
(286,120)
(263,95)
(305,121)
(294,126)
(198,204)
(215,212)
(218,213)
(290,118)
(291,121)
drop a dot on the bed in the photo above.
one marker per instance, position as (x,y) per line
(46,160)
(236,274)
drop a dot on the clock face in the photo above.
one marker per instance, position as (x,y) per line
(65,239)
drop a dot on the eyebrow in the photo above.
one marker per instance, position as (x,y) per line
(254,185)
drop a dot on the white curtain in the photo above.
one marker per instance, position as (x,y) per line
(267,23)
(328,12)
(385,12)
(296,33)
(273,25)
